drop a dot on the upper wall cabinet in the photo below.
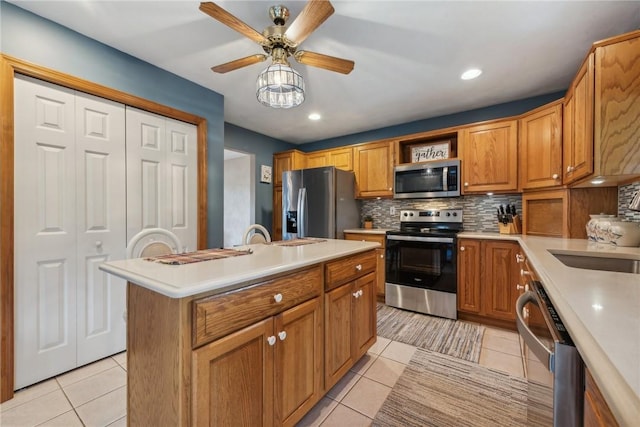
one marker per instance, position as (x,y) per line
(341,158)
(373,167)
(541,147)
(286,161)
(489,155)
(602,114)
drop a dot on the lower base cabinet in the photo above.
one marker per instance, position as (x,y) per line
(350,312)
(596,410)
(487,279)
(380,254)
(266,374)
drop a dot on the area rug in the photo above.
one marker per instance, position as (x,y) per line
(443,391)
(452,337)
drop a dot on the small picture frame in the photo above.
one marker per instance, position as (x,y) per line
(265,174)
(428,152)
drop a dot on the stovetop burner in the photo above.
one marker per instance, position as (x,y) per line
(436,222)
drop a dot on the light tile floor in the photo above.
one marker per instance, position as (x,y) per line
(95,395)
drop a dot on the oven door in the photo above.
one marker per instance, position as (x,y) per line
(549,348)
(421,262)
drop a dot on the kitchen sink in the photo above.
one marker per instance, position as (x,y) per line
(596,262)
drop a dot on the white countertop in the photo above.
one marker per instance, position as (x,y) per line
(369,230)
(177,281)
(600,309)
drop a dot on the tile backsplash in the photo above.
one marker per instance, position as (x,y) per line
(479,211)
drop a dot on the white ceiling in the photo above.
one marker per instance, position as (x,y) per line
(408,54)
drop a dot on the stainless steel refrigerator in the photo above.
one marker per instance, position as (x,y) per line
(318,202)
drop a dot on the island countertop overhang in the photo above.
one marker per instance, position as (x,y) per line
(225,274)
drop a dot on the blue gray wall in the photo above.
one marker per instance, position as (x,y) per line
(481,114)
(263,147)
(32,38)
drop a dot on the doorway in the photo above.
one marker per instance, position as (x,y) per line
(239,195)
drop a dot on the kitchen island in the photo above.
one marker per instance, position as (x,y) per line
(601,310)
(253,339)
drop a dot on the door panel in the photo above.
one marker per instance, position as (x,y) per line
(101,229)
(45,231)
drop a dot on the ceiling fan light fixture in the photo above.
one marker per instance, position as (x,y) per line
(280,86)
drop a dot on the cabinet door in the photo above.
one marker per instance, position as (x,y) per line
(469,275)
(541,148)
(298,358)
(338,308)
(596,411)
(499,279)
(373,167)
(578,154)
(233,379)
(342,158)
(286,161)
(316,160)
(364,314)
(277,214)
(489,155)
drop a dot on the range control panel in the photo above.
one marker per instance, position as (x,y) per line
(435,215)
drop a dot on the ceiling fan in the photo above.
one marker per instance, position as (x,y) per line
(280,42)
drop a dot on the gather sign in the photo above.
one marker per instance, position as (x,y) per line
(424,153)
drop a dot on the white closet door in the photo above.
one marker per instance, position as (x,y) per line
(45,231)
(145,163)
(182,185)
(101,226)
(162,176)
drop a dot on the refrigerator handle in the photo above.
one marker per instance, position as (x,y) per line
(302,212)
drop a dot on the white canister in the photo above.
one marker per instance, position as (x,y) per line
(624,233)
(597,227)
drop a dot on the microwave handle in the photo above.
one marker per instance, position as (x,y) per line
(445,174)
(539,349)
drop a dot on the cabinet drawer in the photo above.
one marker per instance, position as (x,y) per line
(219,315)
(366,237)
(350,268)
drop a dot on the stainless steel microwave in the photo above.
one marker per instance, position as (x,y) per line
(427,180)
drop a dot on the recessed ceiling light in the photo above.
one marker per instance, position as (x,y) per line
(314,116)
(471,74)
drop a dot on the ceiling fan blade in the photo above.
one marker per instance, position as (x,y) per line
(238,63)
(216,12)
(315,12)
(327,62)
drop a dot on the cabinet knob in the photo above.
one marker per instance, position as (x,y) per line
(390,188)
(277,297)
(522,287)
(524,272)
(360,292)
(466,184)
(98,243)
(282,335)
(381,255)
(555,176)
(525,313)
(271,340)
(569,168)
(359,267)
(461,248)
(355,294)
(519,258)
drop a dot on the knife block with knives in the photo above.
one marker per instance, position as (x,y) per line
(508,220)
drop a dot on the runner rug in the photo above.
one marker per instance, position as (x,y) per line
(452,337)
(443,391)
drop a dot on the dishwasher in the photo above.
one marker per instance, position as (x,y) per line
(556,351)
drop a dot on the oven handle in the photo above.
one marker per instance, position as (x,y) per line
(421,239)
(541,351)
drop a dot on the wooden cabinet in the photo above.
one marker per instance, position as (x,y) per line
(276,233)
(469,275)
(526,273)
(350,313)
(489,156)
(373,168)
(596,411)
(487,278)
(602,109)
(565,213)
(266,374)
(540,156)
(577,159)
(286,161)
(380,257)
(341,158)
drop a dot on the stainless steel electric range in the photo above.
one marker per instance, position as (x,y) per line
(421,262)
